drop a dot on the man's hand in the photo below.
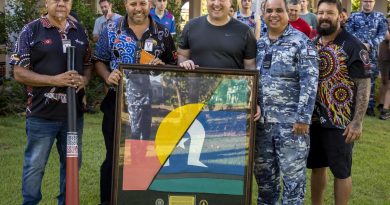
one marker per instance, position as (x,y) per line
(188,65)
(353,132)
(114,77)
(69,79)
(157,61)
(300,128)
(257,114)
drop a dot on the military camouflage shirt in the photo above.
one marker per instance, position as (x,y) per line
(368,28)
(288,77)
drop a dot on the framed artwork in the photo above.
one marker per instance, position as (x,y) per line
(184,137)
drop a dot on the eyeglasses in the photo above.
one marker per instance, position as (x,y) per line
(58,1)
(161,0)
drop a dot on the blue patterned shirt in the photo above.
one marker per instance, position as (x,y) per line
(288,77)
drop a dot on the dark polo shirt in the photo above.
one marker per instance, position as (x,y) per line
(39,49)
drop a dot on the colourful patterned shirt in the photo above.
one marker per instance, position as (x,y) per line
(340,61)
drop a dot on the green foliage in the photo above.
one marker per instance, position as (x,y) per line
(3,33)
(86,14)
(118,7)
(12,98)
(355,5)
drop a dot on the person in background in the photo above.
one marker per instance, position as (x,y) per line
(248,17)
(370,28)
(309,17)
(161,15)
(231,11)
(343,17)
(294,8)
(40,62)
(102,21)
(288,66)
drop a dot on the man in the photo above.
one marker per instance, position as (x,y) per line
(294,7)
(108,16)
(122,41)
(370,28)
(162,16)
(309,17)
(343,17)
(40,63)
(288,68)
(249,17)
(342,99)
(229,43)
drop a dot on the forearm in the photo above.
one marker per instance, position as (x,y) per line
(87,73)
(361,98)
(31,78)
(182,55)
(101,70)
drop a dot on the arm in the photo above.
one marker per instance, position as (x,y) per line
(250,64)
(308,80)
(258,27)
(95,32)
(183,59)
(354,130)
(380,34)
(31,78)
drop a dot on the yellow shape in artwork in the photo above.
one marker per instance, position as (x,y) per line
(173,127)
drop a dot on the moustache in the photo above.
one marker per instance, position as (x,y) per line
(324,21)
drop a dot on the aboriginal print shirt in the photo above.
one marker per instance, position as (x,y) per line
(340,61)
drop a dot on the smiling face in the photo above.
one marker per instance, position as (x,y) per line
(58,9)
(246,4)
(328,19)
(275,15)
(137,10)
(218,9)
(294,11)
(161,5)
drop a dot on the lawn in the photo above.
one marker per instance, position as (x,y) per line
(371,164)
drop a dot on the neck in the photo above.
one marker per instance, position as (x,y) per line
(326,39)
(245,12)
(159,12)
(304,11)
(57,22)
(108,15)
(274,34)
(133,25)
(367,11)
(218,22)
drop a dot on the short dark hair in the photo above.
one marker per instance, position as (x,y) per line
(294,2)
(337,2)
(100,1)
(344,10)
(284,1)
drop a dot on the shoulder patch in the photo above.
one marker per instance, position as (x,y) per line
(364,56)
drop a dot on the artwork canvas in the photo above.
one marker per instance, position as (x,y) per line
(184,137)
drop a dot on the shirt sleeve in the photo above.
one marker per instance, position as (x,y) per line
(349,26)
(183,42)
(308,80)
(95,31)
(250,47)
(173,26)
(381,32)
(359,61)
(102,49)
(169,56)
(21,53)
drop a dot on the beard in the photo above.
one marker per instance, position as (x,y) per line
(326,31)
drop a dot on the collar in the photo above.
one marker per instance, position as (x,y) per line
(46,23)
(287,31)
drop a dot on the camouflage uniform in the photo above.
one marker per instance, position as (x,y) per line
(370,29)
(287,92)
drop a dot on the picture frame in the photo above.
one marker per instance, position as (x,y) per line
(184,137)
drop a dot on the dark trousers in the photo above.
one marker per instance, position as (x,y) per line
(108,108)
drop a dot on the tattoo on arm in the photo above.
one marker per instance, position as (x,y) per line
(361,98)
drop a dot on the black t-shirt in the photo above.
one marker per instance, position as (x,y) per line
(340,61)
(218,46)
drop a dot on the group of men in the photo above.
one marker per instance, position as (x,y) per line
(312,95)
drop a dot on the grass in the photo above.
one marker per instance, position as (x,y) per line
(370,173)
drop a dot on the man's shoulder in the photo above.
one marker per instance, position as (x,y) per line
(116,16)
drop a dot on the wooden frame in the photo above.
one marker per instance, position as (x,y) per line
(184,137)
